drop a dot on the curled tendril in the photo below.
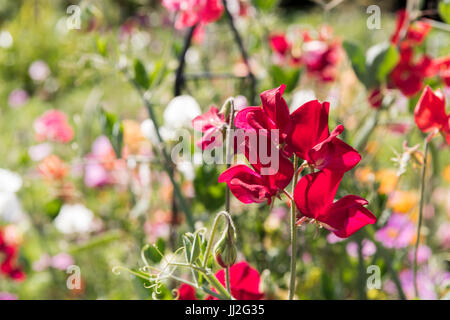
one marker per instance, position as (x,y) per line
(176,294)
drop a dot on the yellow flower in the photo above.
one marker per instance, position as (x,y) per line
(388,180)
(447,173)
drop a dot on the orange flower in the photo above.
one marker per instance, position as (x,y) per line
(403,201)
(53,168)
(132,136)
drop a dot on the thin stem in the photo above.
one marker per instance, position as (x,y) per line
(229,151)
(179,78)
(227,278)
(419,224)
(293,236)
(169,165)
(366,131)
(211,237)
(244,54)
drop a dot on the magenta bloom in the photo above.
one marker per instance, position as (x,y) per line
(398,233)
(53,126)
(7,296)
(211,124)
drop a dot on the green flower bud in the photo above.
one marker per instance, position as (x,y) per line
(225,251)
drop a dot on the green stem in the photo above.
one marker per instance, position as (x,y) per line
(293,236)
(422,202)
(227,278)
(366,131)
(217,285)
(229,151)
(168,167)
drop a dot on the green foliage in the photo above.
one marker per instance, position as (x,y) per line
(208,191)
(444,10)
(373,68)
(288,76)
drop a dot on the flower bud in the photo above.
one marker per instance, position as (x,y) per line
(225,251)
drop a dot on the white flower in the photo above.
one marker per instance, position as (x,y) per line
(6,39)
(10,181)
(148,131)
(187,169)
(180,111)
(74,218)
(300,97)
(10,206)
(39,71)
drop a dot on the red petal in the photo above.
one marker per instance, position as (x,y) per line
(334,154)
(309,127)
(347,215)
(245,184)
(253,118)
(315,192)
(186,292)
(276,108)
(430,110)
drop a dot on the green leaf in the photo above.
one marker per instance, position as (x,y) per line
(112,128)
(265,5)
(288,76)
(358,60)
(187,248)
(208,192)
(140,74)
(101,46)
(159,71)
(380,60)
(196,248)
(444,10)
(152,254)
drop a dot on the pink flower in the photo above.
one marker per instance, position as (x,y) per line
(211,124)
(368,248)
(193,12)
(18,98)
(53,126)
(423,254)
(100,163)
(398,233)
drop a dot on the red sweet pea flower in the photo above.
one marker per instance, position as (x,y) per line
(441,67)
(186,292)
(244,282)
(192,12)
(280,44)
(321,58)
(311,140)
(314,195)
(413,34)
(8,256)
(417,32)
(273,114)
(211,124)
(408,75)
(266,179)
(430,113)
(375,98)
